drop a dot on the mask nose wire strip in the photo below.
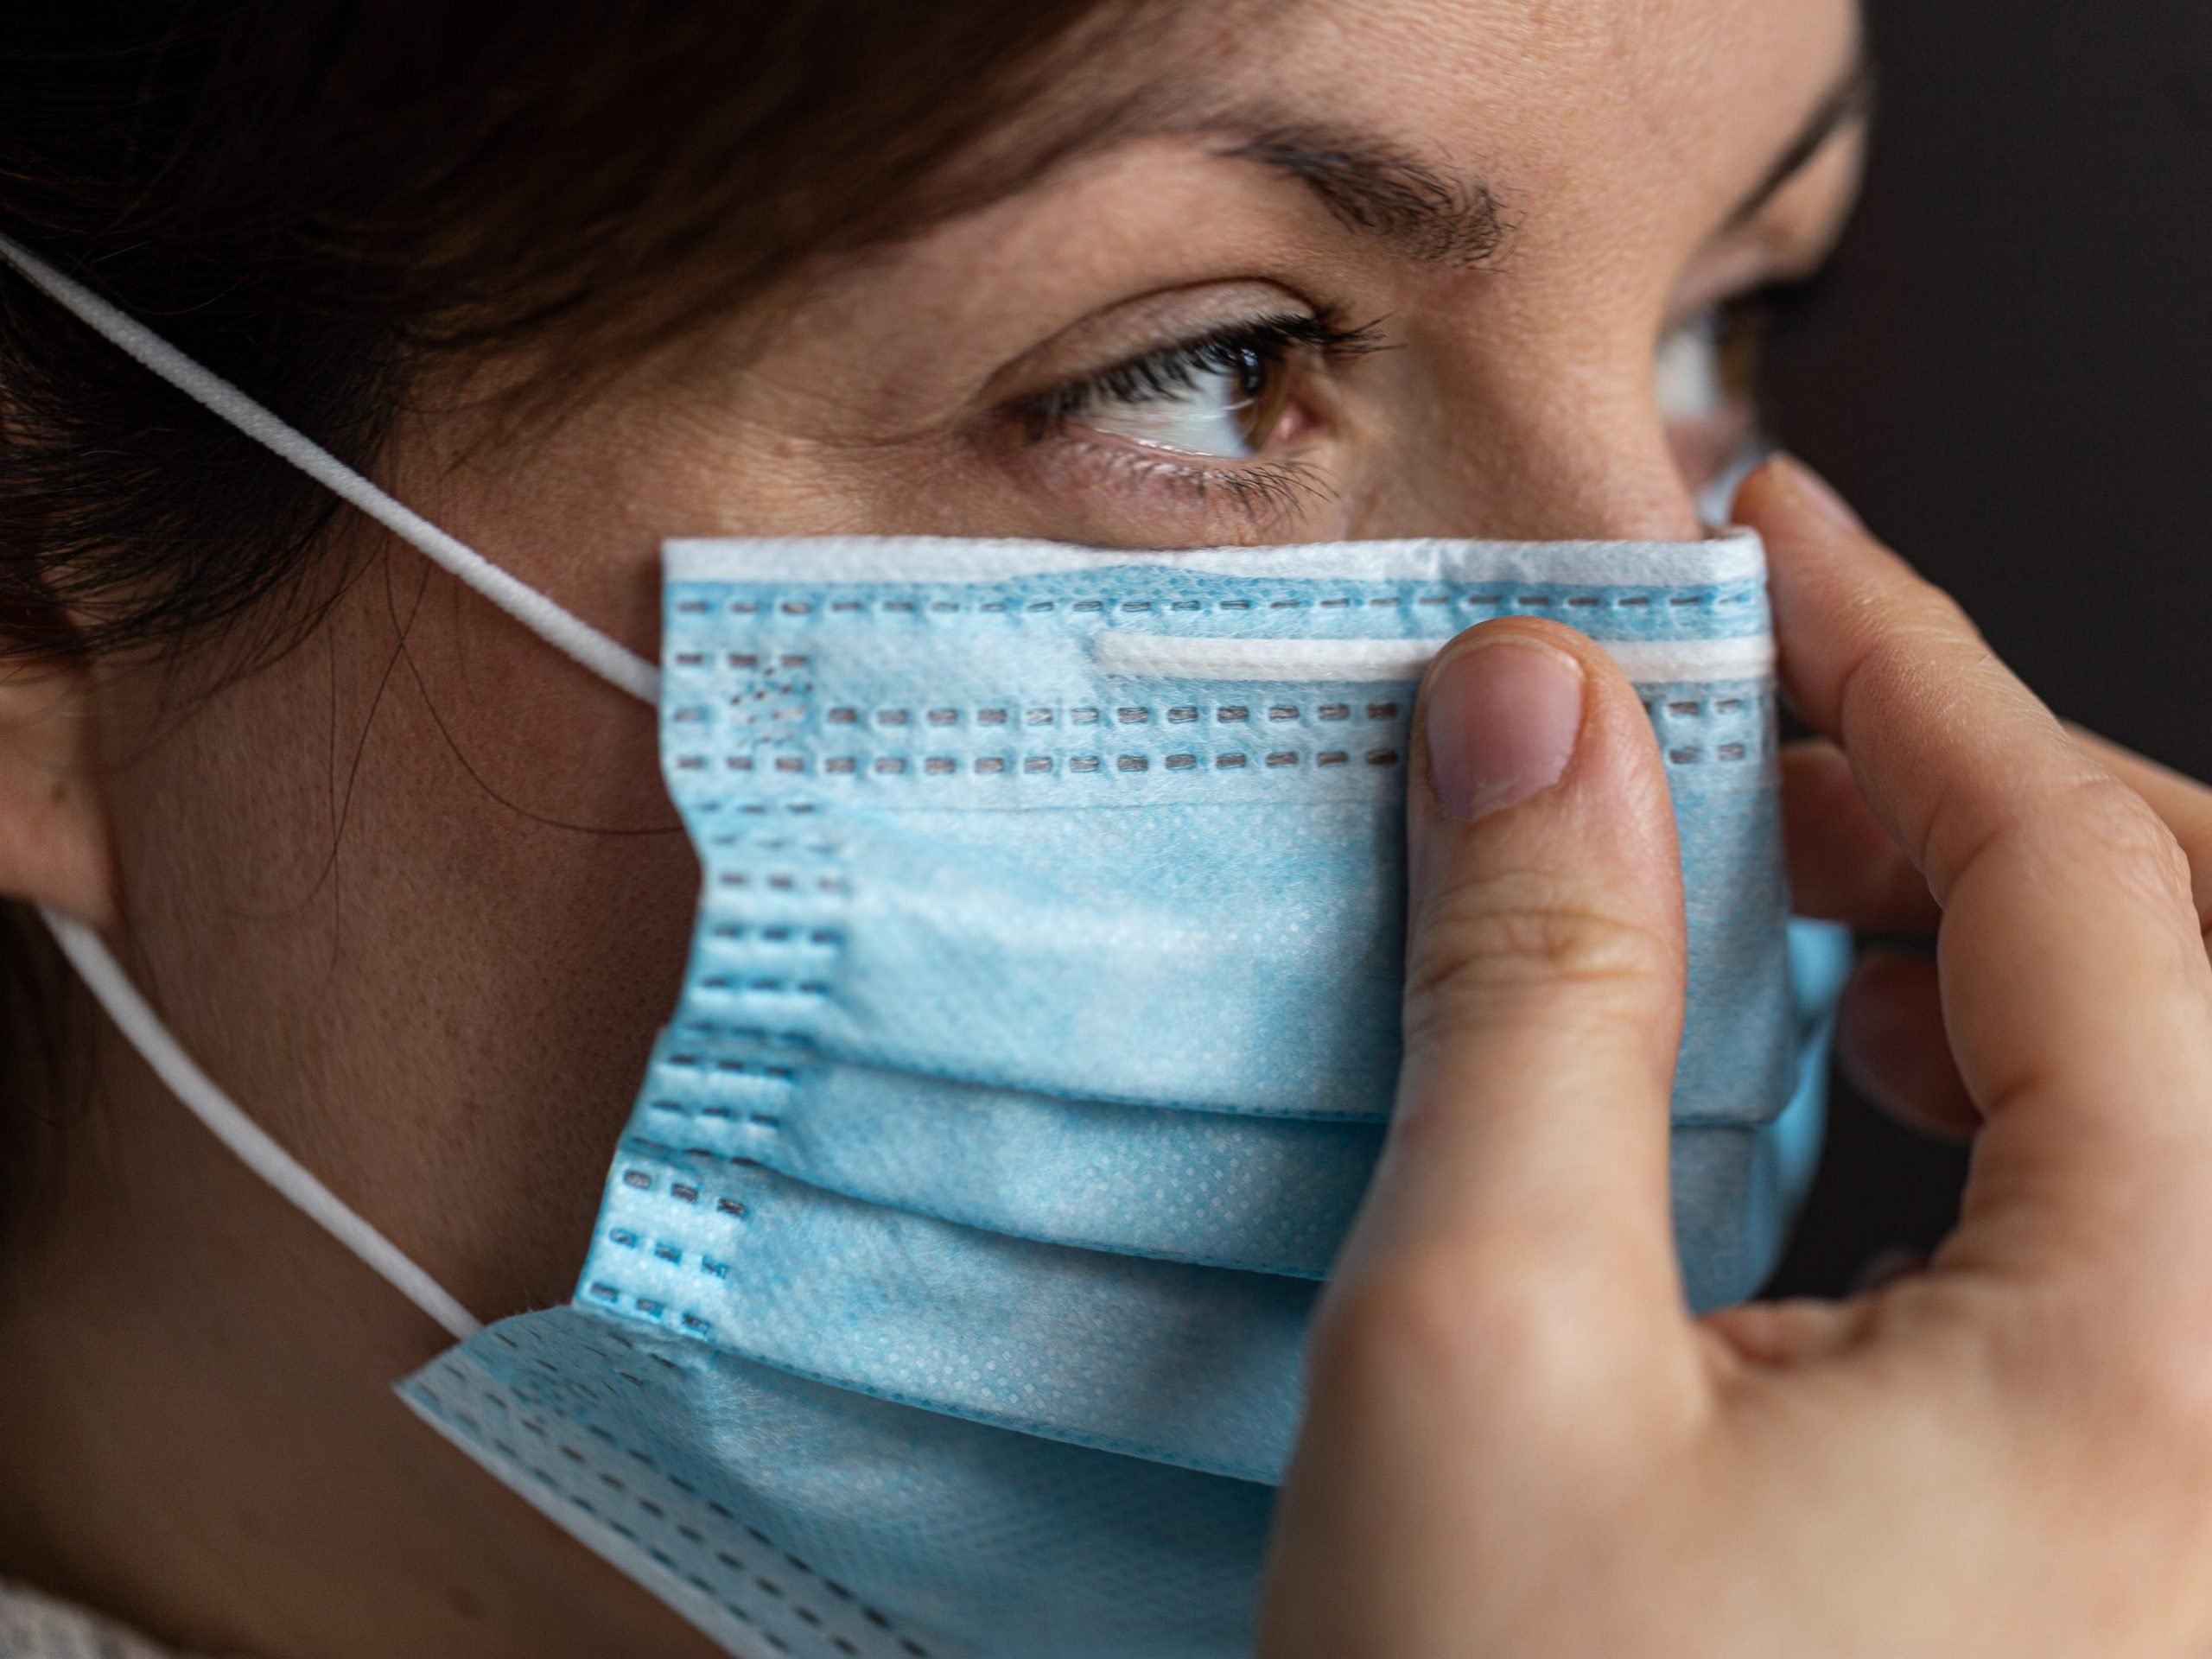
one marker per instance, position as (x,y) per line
(251,1145)
(563,630)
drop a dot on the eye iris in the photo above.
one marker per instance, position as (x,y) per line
(1263,387)
(1227,398)
(1251,372)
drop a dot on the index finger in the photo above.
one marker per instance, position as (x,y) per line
(2075,987)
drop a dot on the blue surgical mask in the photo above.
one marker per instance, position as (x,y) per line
(1038,1038)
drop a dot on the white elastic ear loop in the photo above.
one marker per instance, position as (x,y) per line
(564,631)
(144,1028)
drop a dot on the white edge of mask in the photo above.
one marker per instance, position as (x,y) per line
(625,1554)
(1732,555)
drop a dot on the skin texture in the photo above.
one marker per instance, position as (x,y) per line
(415,896)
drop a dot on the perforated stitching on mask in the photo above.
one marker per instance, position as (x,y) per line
(1136,717)
(1666,712)
(774,935)
(538,1428)
(1733,593)
(1086,763)
(782,881)
(1035,764)
(1188,714)
(1040,764)
(749,1068)
(710,1028)
(1127,716)
(777,936)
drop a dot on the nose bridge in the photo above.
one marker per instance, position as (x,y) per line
(1601,467)
(1585,452)
(1559,438)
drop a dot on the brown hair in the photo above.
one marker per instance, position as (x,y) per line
(314,197)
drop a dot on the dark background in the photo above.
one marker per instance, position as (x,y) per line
(2008,370)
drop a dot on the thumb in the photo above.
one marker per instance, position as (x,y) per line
(1545,967)
(1503,1335)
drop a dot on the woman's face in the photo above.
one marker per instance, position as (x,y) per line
(1344,269)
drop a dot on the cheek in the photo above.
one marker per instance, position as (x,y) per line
(378,897)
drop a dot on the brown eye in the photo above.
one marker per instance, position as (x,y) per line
(1264,385)
(1219,400)
(1226,397)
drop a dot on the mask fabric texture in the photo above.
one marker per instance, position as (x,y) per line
(1039,1035)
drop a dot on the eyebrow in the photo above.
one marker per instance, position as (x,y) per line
(1423,211)
(1430,213)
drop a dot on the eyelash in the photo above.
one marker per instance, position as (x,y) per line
(1257,488)
(1267,342)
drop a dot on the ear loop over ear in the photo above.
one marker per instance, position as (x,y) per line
(557,627)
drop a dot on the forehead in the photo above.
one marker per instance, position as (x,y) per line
(1556,106)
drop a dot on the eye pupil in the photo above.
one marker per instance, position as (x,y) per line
(1251,372)
(1264,382)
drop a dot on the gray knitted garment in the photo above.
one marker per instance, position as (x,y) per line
(33,1626)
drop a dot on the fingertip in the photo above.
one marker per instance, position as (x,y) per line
(1515,706)
(1590,656)
(1503,718)
(1784,494)
(1835,588)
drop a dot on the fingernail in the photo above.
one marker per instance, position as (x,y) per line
(1504,716)
(1819,495)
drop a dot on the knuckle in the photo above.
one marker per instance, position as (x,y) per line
(2090,819)
(2138,846)
(2193,832)
(1503,940)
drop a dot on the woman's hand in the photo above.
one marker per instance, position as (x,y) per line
(1844,867)
(1519,1445)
